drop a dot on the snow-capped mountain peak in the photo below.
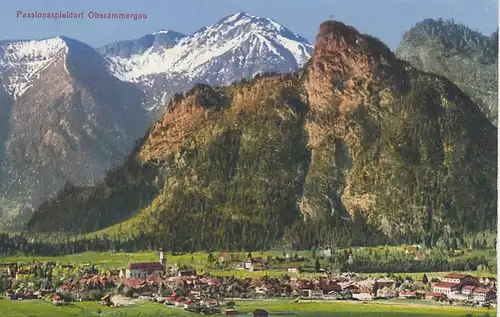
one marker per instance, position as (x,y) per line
(242,18)
(22,61)
(241,38)
(164,32)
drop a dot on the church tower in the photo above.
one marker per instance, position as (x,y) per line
(163,258)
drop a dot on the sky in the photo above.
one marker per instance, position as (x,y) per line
(385,19)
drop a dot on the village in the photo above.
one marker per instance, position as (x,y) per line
(185,288)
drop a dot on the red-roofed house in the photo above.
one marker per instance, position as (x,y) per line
(457,278)
(133,283)
(57,300)
(445,287)
(408,294)
(224,257)
(467,289)
(154,279)
(483,294)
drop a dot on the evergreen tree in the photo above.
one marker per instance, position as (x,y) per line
(425,280)
(317,265)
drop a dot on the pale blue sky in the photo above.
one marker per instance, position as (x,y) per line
(386,19)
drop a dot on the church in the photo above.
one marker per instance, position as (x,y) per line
(141,270)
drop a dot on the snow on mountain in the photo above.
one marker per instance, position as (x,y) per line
(260,35)
(238,46)
(159,40)
(22,61)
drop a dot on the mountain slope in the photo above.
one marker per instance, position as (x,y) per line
(464,56)
(238,46)
(66,119)
(357,147)
(163,39)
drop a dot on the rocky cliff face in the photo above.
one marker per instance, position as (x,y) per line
(466,57)
(357,147)
(66,119)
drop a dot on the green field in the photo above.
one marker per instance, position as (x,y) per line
(110,260)
(36,308)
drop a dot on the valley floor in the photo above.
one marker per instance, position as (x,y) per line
(37,308)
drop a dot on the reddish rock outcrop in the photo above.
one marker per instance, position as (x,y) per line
(344,66)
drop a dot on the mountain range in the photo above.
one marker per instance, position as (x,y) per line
(356,147)
(238,46)
(69,112)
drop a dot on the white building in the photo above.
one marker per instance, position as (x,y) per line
(445,287)
(362,296)
(483,294)
(327,253)
(142,269)
(456,278)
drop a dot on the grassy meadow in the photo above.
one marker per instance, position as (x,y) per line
(116,260)
(277,308)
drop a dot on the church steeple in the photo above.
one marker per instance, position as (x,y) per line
(163,258)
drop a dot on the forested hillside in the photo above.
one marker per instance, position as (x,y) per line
(466,57)
(357,148)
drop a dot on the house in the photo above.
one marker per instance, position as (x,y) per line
(143,269)
(57,300)
(362,296)
(188,304)
(467,289)
(295,270)
(134,283)
(196,293)
(224,257)
(351,288)
(419,256)
(327,253)
(106,300)
(411,249)
(385,282)
(457,296)
(310,293)
(254,265)
(408,294)
(178,302)
(457,278)
(247,265)
(186,274)
(445,287)
(488,281)
(261,290)
(483,294)
(385,293)
(349,276)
